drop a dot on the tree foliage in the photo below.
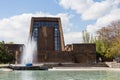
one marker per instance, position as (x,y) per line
(109,37)
(5,55)
(114,50)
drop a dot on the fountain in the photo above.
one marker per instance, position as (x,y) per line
(29,53)
(29,57)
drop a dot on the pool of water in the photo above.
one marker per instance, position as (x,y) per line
(60,75)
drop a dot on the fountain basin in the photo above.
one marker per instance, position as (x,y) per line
(28,66)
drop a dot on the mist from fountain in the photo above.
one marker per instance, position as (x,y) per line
(29,55)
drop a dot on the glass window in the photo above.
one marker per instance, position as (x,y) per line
(41,24)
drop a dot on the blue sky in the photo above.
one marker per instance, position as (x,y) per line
(76,16)
(14,7)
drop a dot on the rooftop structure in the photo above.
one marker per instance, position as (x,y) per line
(48,33)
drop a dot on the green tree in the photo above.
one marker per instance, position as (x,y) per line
(109,37)
(5,55)
(100,47)
(114,50)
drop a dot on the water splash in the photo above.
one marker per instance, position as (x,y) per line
(29,54)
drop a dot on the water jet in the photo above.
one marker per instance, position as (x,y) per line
(29,55)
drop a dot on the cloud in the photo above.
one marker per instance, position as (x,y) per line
(80,6)
(88,9)
(73,37)
(104,21)
(97,10)
(102,12)
(16,28)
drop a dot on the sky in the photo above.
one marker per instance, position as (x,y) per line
(76,16)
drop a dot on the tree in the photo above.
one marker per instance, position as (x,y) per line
(5,55)
(109,37)
(114,50)
(86,36)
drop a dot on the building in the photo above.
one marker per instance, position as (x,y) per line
(47,32)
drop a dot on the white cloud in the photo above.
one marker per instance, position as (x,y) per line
(97,10)
(73,37)
(16,28)
(105,20)
(103,12)
(89,9)
(78,5)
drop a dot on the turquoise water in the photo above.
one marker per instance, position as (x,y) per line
(60,75)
